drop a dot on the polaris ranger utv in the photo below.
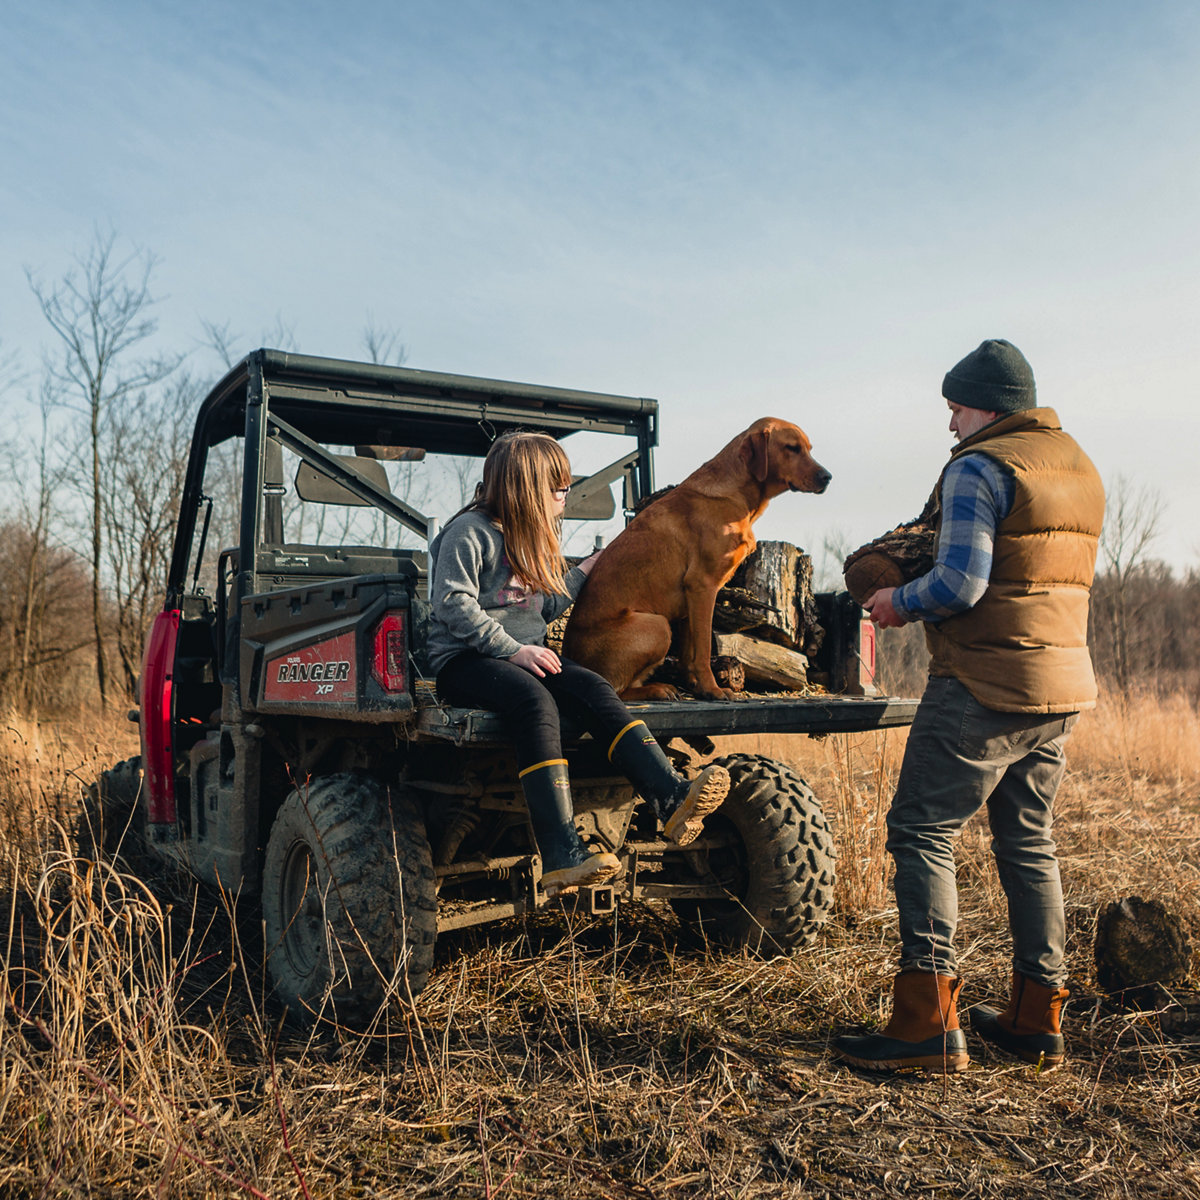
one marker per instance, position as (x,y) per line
(294,749)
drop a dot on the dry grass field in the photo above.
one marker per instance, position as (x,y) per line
(140,1054)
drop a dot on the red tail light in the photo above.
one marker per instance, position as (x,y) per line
(390,666)
(866,657)
(157,715)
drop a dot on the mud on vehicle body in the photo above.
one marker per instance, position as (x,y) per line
(293,748)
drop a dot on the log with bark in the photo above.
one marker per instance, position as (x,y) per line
(770,597)
(1141,951)
(902,554)
(765,663)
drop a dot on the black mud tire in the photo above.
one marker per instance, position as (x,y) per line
(111,825)
(778,863)
(349,900)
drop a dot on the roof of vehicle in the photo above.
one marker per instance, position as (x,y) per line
(337,402)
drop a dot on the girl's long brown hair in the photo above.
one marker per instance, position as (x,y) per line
(520,473)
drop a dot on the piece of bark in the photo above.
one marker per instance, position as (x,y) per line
(738,610)
(1140,949)
(765,662)
(1181,1017)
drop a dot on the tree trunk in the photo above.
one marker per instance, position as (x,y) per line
(97,596)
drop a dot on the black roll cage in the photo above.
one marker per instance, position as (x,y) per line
(303,401)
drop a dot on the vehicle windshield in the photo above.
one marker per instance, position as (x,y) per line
(316,509)
(401,492)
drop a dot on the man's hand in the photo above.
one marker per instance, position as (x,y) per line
(879,609)
(537,660)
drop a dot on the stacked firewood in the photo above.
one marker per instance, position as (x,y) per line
(765,625)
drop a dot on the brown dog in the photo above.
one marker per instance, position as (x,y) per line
(671,560)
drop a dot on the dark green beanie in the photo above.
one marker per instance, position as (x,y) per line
(996,378)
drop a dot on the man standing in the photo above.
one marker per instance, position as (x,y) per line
(1005,610)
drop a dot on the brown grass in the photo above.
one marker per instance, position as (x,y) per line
(139,1055)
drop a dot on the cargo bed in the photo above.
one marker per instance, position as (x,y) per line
(688,717)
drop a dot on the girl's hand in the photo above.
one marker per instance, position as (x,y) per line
(537,660)
(588,563)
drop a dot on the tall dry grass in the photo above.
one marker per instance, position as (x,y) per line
(1140,736)
(853,775)
(140,1054)
(45,767)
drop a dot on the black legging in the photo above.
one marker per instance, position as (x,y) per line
(529,707)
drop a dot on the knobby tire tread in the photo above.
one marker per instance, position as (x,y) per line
(381,903)
(790,861)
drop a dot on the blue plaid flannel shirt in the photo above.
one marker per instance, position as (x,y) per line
(977,494)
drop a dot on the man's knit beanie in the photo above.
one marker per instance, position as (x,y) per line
(996,378)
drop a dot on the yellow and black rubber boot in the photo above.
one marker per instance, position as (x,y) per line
(566,863)
(681,804)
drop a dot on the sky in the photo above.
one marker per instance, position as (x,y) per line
(741,208)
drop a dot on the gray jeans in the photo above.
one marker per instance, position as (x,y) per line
(961,755)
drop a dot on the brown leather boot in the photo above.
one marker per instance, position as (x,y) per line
(923,1030)
(1030,1027)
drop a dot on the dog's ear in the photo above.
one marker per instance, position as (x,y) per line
(757,445)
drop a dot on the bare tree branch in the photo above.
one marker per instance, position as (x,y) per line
(383,345)
(100,311)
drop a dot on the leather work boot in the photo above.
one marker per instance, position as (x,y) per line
(566,863)
(923,1030)
(1030,1027)
(681,804)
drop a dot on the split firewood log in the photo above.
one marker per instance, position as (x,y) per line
(771,597)
(896,557)
(738,609)
(765,663)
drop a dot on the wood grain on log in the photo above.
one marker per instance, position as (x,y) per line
(771,596)
(765,662)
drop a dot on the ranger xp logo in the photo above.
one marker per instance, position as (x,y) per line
(323,671)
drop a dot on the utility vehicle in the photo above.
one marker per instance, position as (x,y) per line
(294,750)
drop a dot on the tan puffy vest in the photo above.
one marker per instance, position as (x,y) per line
(1023,647)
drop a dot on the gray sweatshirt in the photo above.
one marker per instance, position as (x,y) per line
(477,602)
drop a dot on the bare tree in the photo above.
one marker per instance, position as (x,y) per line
(1133,516)
(383,345)
(100,311)
(220,339)
(145,460)
(43,587)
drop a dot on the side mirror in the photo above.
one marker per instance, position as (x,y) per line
(317,488)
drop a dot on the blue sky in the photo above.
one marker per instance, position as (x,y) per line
(809,210)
